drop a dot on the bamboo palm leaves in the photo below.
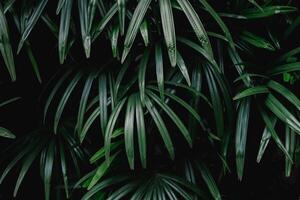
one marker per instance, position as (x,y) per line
(168,29)
(134,26)
(5,47)
(271,111)
(47,148)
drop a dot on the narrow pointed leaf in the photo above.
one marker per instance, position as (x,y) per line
(64,100)
(134,26)
(140,124)
(196,25)
(282,113)
(209,180)
(83,101)
(251,91)
(183,68)
(110,127)
(159,66)
(31,22)
(173,116)
(160,126)
(5,46)
(168,26)
(65,18)
(142,73)
(129,131)
(122,11)
(241,135)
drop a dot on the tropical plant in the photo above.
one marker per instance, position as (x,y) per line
(152,99)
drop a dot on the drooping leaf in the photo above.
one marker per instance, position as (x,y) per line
(6,133)
(140,124)
(251,91)
(64,99)
(196,25)
(31,22)
(129,130)
(142,74)
(134,26)
(65,18)
(241,135)
(5,46)
(282,113)
(110,127)
(160,126)
(168,27)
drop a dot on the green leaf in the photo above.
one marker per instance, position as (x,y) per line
(5,46)
(88,124)
(83,101)
(159,66)
(8,4)
(286,93)
(101,152)
(100,172)
(140,124)
(54,91)
(144,32)
(122,12)
(209,180)
(167,21)
(173,116)
(219,21)
(103,184)
(183,68)
(256,41)
(110,127)
(270,126)
(129,131)
(196,25)
(161,126)
(241,135)
(268,11)
(33,62)
(64,100)
(288,55)
(199,49)
(134,26)
(6,133)
(64,167)
(65,18)
(60,5)
(123,191)
(102,93)
(251,91)
(48,168)
(282,113)
(28,160)
(280,69)
(290,145)
(184,104)
(266,136)
(142,73)
(85,32)
(9,101)
(114,41)
(30,23)
(17,158)
(256,5)
(105,20)
(216,102)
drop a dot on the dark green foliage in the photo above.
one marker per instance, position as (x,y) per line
(153,99)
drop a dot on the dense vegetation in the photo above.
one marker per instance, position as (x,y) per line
(149,99)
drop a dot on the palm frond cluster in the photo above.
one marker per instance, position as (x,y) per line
(170,104)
